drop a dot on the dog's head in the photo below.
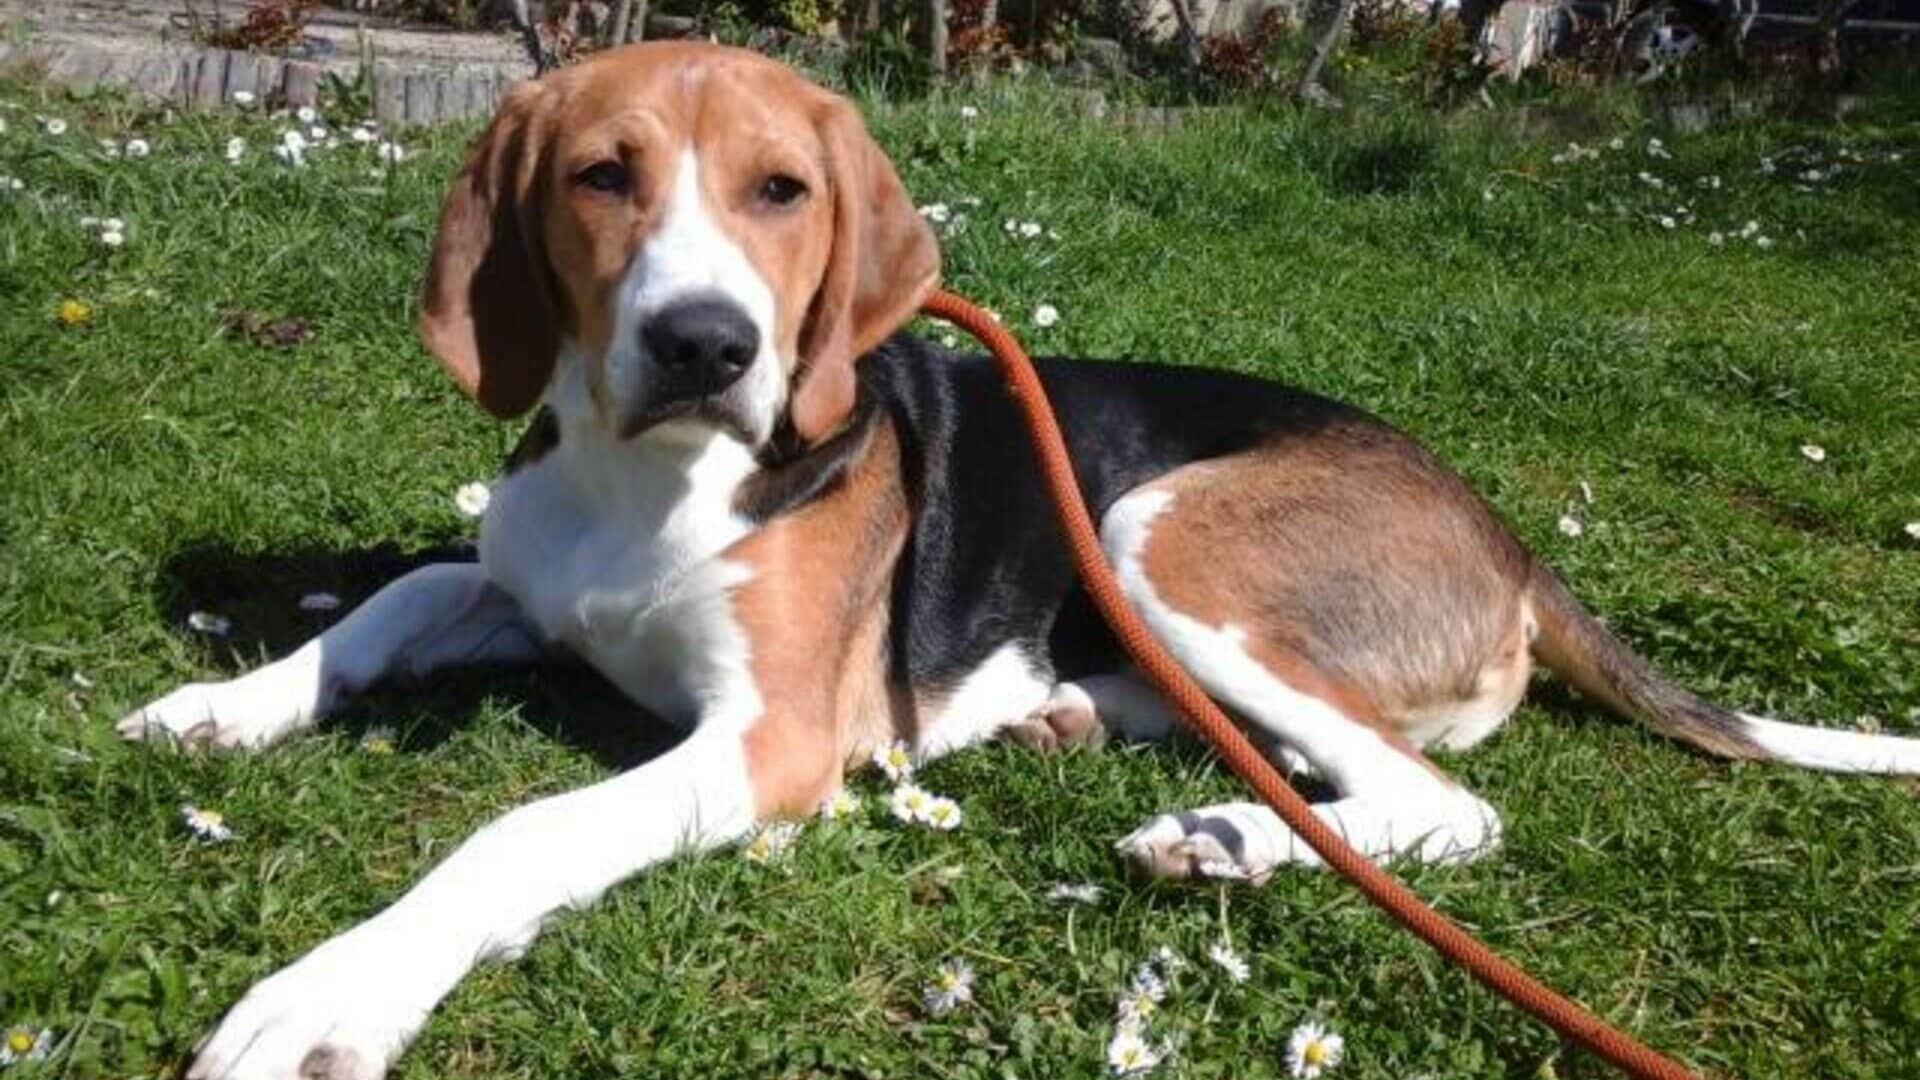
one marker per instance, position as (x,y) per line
(712,237)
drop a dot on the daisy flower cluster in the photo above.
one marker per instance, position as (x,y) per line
(1027,230)
(770,842)
(1131,1051)
(1061,892)
(111,232)
(909,802)
(308,134)
(1680,214)
(133,148)
(950,221)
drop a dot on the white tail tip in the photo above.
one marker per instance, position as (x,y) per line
(1833,750)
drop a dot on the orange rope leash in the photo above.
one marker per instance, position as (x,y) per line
(1205,718)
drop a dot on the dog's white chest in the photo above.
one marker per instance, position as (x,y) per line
(612,549)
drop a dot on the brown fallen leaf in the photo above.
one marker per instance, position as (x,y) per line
(257,328)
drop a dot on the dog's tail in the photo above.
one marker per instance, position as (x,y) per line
(1575,646)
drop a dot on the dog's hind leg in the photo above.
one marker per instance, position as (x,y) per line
(448,613)
(1245,625)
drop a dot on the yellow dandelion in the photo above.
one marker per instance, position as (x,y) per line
(73,312)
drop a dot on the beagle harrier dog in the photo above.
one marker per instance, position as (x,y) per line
(677,253)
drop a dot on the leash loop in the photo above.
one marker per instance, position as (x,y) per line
(1198,710)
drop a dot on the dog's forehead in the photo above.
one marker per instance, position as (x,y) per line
(695,91)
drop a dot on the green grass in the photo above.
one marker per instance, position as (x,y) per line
(1532,322)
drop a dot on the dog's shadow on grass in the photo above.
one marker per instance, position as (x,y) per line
(260,595)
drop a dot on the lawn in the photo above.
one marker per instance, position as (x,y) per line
(1536,321)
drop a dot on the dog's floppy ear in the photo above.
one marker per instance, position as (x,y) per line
(488,312)
(883,263)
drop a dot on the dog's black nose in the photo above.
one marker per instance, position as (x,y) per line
(703,344)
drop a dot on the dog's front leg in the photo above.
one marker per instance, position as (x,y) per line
(346,1010)
(437,615)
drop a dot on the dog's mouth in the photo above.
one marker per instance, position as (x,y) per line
(722,412)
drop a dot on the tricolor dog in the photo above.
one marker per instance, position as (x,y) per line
(766,516)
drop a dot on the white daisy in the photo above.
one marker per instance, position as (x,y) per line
(895,760)
(840,805)
(1716,239)
(1913,529)
(938,213)
(952,987)
(909,802)
(1313,1050)
(392,153)
(55,126)
(292,148)
(1062,893)
(1763,242)
(319,601)
(362,135)
(305,114)
(206,622)
(1143,997)
(771,841)
(110,148)
(1227,960)
(1046,315)
(24,1043)
(1749,229)
(207,825)
(472,498)
(1616,143)
(243,97)
(1129,1053)
(1667,222)
(943,814)
(138,148)
(1815,454)
(1571,526)
(113,239)
(1030,229)
(968,112)
(236,149)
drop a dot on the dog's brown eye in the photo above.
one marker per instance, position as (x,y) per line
(782,190)
(608,176)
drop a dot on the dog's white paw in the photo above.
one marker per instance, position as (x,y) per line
(247,713)
(1219,843)
(345,1011)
